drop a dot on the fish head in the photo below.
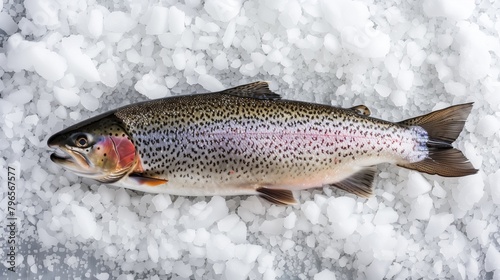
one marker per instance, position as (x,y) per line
(100,149)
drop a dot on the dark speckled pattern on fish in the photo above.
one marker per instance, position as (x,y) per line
(231,140)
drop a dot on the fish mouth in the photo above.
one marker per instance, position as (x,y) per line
(60,158)
(72,160)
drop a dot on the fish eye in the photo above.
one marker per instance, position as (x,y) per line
(81,141)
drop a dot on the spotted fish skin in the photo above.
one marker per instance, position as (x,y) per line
(247,140)
(210,143)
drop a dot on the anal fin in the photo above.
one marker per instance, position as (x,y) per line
(360,183)
(277,196)
(147,181)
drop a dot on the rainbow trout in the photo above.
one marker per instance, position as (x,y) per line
(247,140)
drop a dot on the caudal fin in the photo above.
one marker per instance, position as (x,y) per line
(443,127)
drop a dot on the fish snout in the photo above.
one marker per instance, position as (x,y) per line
(54,141)
(61,155)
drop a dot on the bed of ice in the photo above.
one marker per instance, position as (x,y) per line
(64,61)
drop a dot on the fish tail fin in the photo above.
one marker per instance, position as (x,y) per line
(443,127)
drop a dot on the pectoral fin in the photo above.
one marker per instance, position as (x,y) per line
(360,183)
(277,196)
(146,181)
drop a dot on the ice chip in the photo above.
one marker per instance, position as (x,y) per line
(474,228)
(290,221)
(182,269)
(149,86)
(176,20)
(341,14)
(290,16)
(421,207)
(50,65)
(119,22)
(79,63)
(385,216)
(272,227)
(158,21)
(153,250)
(438,224)
(229,34)
(161,202)
(67,97)
(20,96)
(452,9)
(405,79)
(237,270)
(210,83)
(469,191)
(332,44)
(223,10)
(339,209)
(7,24)
(89,102)
(249,43)
(455,88)
(96,23)
(220,62)
(417,184)
(43,13)
(492,260)
(108,74)
(383,90)
(325,274)
(228,223)
(220,248)
(311,211)
(84,223)
(47,239)
(488,126)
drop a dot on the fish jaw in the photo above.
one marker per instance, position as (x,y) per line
(73,161)
(67,157)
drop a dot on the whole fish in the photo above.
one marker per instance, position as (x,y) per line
(247,140)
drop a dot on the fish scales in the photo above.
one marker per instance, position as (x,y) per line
(247,140)
(216,141)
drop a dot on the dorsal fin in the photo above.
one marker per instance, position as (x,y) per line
(361,109)
(257,90)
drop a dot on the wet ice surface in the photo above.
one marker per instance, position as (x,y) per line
(65,61)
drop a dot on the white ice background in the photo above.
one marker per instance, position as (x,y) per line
(64,61)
